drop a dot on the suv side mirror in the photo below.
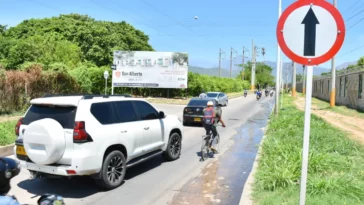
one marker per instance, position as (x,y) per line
(161,115)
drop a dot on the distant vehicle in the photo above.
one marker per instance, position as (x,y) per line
(192,113)
(220,97)
(94,135)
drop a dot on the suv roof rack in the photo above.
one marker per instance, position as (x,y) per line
(85,96)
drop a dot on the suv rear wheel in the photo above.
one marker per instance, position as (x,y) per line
(113,170)
(174,147)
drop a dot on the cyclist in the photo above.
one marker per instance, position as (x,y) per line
(210,120)
(9,168)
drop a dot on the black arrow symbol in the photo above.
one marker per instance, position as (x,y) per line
(310,22)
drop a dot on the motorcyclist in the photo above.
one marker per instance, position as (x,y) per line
(259,93)
(9,168)
(210,120)
(203,94)
(245,91)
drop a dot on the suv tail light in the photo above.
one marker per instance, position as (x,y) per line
(17,126)
(79,133)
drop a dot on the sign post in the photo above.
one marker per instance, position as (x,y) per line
(106,75)
(310,32)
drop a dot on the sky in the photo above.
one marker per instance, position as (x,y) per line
(171,24)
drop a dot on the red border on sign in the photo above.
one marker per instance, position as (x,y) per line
(334,49)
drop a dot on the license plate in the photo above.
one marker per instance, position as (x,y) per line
(20,150)
(197,119)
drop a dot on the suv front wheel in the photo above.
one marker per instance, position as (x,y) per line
(174,147)
(113,170)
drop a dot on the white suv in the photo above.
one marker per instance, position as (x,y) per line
(94,135)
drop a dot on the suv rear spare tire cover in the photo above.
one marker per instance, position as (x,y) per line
(44,141)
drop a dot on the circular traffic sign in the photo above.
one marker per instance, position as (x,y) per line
(310,32)
(106,74)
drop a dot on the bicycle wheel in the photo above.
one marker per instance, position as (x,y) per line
(204,148)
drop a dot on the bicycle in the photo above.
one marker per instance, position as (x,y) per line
(206,141)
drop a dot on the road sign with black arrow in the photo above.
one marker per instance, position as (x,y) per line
(310,32)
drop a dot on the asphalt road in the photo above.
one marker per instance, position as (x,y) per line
(152,182)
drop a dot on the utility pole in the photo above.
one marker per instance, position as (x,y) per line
(276,108)
(252,86)
(304,80)
(242,70)
(287,77)
(333,76)
(294,79)
(221,52)
(281,77)
(231,59)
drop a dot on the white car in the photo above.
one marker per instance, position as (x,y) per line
(98,136)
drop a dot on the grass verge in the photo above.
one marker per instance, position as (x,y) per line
(7,132)
(343,110)
(336,164)
(185,101)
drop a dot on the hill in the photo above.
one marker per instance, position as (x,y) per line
(212,71)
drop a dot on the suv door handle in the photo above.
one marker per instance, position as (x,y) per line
(125,131)
(146,128)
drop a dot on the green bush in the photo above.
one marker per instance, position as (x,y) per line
(7,132)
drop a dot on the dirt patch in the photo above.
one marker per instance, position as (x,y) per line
(351,124)
(8,118)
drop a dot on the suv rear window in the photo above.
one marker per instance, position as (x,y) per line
(63,115)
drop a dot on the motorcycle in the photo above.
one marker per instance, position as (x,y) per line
(245,94)
(258,96)
(271,94)
(266,93)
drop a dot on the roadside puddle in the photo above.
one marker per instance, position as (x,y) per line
(222,181)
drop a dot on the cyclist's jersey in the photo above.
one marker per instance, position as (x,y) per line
(216,116)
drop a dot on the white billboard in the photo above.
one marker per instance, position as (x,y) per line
(150,69)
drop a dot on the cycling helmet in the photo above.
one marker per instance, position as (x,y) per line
(210,103)
(50,199)
(9,168)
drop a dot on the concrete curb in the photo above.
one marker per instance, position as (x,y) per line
(6,150)
(246,198)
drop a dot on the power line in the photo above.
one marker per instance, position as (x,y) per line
(352,6)
(148,25)
(355,49)
(172,19)
(356,23)
(45,5)
(354,15)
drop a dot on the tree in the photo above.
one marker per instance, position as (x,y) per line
(361,61)
(180,58)
(351,67)
(96,40)
(299,77)
(263,74)
(3,29)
